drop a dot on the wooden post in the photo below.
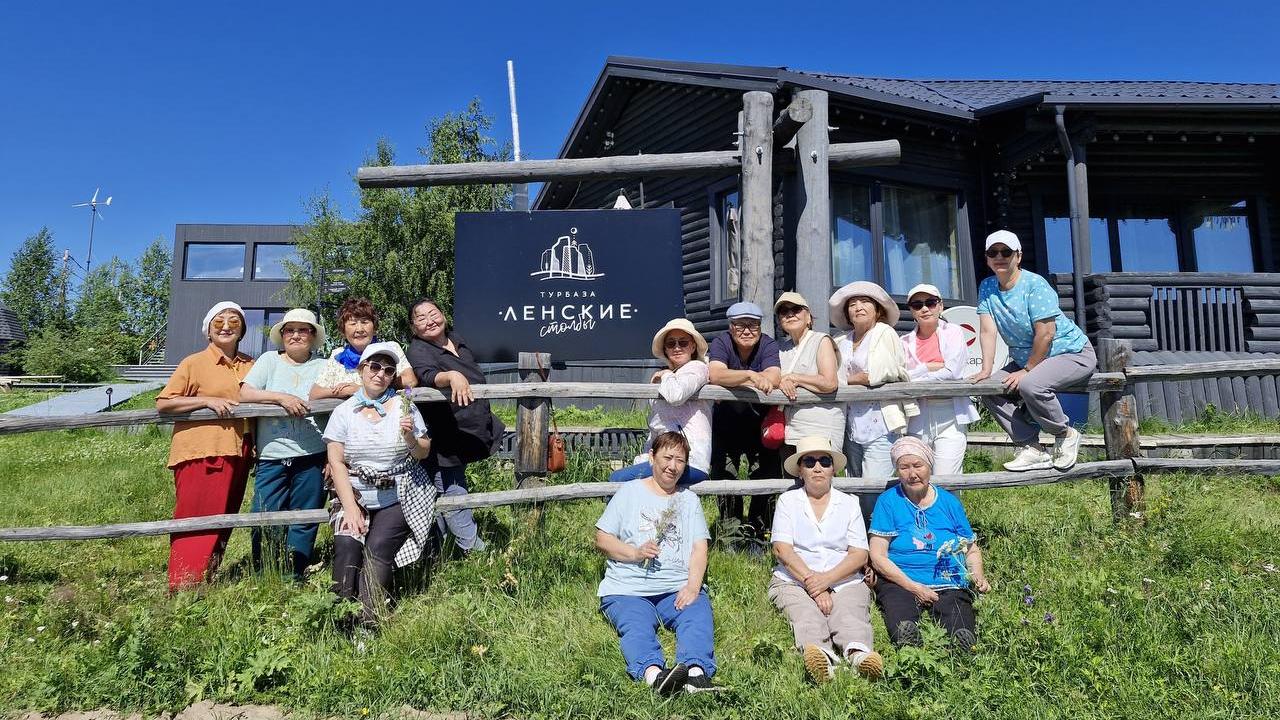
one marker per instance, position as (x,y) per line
(790,119)
(533,417)
(1120,428)
(813,229)
(757,202)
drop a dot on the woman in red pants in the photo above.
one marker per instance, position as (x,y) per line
(210,458)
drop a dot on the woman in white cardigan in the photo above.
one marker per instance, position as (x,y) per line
(936,350)
(870,355)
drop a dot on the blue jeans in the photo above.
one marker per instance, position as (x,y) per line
(645,469)
(636,619)
(290,484)
(451,482)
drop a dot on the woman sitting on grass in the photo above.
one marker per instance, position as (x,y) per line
(384,504)
(820,541)
(655,538)
(683,349)
(924,552)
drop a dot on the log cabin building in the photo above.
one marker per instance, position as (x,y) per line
(1175,188)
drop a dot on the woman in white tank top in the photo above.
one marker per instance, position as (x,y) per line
(809,360)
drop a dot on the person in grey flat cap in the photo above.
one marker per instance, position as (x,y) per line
(743,357)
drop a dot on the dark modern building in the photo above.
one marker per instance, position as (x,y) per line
(240,263)
(10,333)
(1176,187)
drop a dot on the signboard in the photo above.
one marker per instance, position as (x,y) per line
(967,318)
(579,284)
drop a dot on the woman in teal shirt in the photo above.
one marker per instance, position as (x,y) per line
(291,452)
(1047,353)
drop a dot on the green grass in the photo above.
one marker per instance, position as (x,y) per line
(571,415)
(1173,617)
(141,401)
(14,399)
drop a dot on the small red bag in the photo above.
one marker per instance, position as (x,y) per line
(773,430)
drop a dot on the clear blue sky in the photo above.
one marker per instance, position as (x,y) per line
(238,111)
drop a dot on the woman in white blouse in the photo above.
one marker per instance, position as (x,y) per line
(820,541)
(936,350)
(684,349)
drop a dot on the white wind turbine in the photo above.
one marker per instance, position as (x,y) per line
(94,213)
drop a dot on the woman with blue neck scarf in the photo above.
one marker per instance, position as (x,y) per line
(384,502)
(358,322)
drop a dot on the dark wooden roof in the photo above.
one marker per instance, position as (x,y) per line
(10,328)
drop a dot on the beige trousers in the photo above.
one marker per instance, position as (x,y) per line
(848,627)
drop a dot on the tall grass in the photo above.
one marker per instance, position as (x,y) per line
(1175,616)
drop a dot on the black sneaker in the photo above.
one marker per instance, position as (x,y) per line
(671,680)
(699,683)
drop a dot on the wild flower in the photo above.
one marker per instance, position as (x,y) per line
(406,403)
(1048,617)
(953,552)
(1027,598)
(666,527)
(479,650)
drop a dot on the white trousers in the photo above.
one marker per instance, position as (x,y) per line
(936,425)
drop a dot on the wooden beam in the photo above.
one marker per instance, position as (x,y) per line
(813,227)
(757,203)
(1120,429)
(1197,371)
(791,118)
(533,416)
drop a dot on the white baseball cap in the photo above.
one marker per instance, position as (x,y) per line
(925,288)
(1006,238)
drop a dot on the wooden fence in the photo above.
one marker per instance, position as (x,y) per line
(1124,468)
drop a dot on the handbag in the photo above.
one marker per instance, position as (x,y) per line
(773,429)
(555,443)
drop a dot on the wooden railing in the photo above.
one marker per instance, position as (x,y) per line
(1124,468)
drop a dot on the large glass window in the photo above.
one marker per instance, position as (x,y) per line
(214,261)
(1148,244)
(726,246)
(269,260)
(1057,240)
(258,322)
(1220,232)
(920,241)
(851,257)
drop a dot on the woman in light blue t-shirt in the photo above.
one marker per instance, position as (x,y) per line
(1047,353)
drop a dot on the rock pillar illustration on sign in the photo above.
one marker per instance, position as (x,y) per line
(568,259)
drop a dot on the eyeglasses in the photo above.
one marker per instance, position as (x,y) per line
(789,310)
(378,367)
(231,322)
(996,252)
(674,343)
(808,461)
(746,326)
(921,304)
(297,331)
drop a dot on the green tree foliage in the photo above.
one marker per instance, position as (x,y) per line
(32,287)
(101,318)
(72,354)
(146,297)
(400,247)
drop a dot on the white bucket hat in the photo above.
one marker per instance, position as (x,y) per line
(213,312)
(684,326)
(862,288)
(301,315)
(814,444)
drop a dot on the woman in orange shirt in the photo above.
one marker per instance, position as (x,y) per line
(210,458)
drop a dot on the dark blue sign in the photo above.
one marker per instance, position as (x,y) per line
(579,284)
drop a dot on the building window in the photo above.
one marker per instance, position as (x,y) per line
(1148,244)
(726,246)
(897,237)
(1220,234)
(258,322)
(269,260)
(1057,240)
(214,261)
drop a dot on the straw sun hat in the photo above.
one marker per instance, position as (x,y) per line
(813,444)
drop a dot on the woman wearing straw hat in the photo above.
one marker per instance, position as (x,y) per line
(809,360)
(936,350)
(291,456)
(924,551)
(820,541)
(683,348)
(870,355)
(210,458)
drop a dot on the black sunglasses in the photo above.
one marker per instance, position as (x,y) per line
(1005,253)
(809,461)
(921,304)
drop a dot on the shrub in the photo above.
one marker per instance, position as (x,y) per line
(73,356)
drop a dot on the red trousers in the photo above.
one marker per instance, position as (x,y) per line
(206,486)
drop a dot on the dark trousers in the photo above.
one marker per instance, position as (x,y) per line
(901,612)
(363,571)
(292,484)
(762,464)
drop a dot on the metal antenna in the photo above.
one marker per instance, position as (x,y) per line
(93,217)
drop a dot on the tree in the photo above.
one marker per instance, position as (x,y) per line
(401,245)
(146,297)
(101,319)
(32,289)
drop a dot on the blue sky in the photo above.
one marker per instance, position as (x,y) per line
(238,112)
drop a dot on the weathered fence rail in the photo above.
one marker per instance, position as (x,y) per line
(1124,468)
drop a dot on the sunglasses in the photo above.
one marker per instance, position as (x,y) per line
(809,461)
(921,304)
(789,310)
(378,367)
(231,322)
(745,326)
(995,252)
(673,344)
(297,331)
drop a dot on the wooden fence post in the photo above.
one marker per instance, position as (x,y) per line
(533,416)
(1120,428)
(813,227)
(757,202)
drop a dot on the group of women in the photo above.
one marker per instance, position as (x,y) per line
(384,461)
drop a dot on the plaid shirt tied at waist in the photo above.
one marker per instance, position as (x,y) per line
(417,497)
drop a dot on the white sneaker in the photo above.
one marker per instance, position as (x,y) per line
(820,663)
(1030,457)
(1066,449)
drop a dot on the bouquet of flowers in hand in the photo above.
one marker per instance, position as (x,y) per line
(952,553)
(406,403)
(666,528)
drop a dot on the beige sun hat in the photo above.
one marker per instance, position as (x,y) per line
(814,444)
(699,342)
(301,315)
(862,288)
